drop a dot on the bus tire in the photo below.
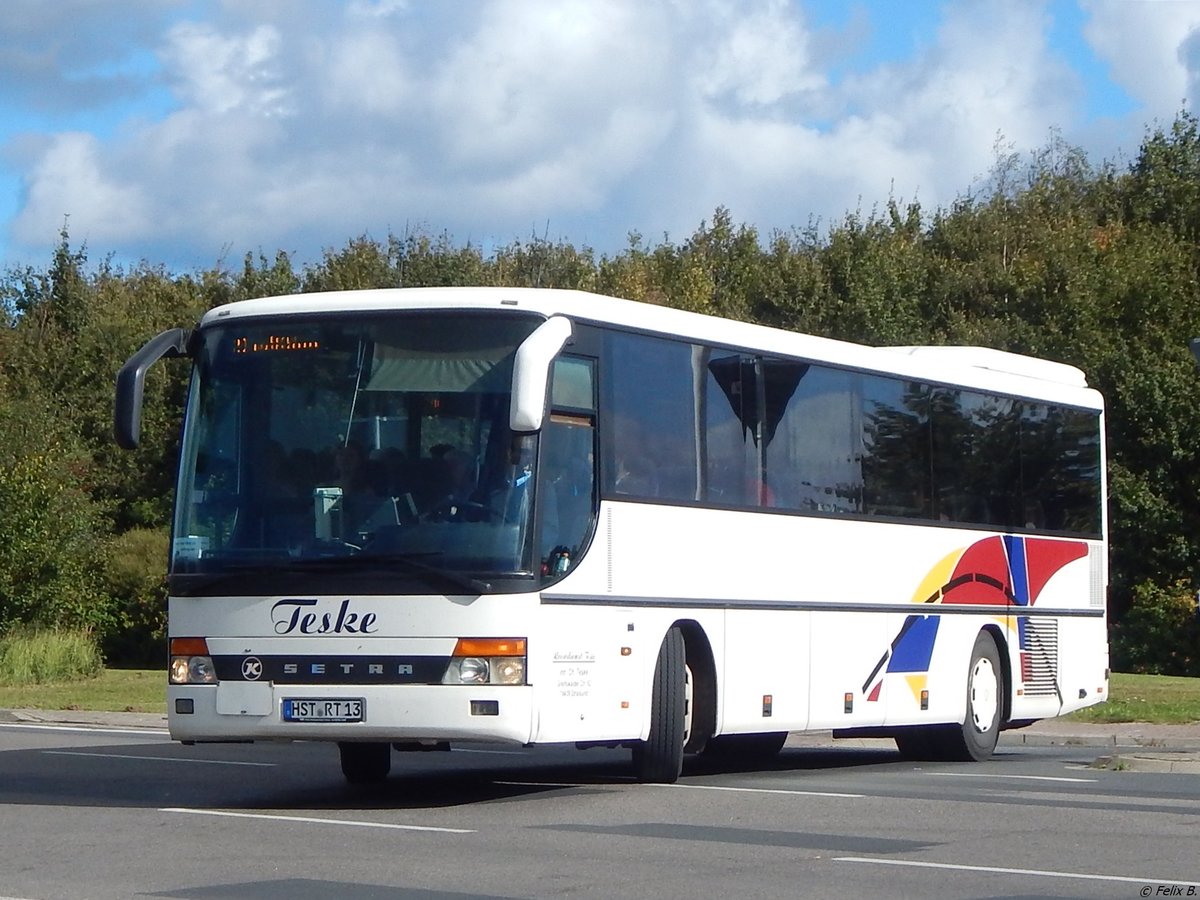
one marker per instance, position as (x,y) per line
(745,747)
(659,758)
(918,743)
(365,763)
(975,739)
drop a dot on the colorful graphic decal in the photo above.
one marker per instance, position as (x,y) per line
(998,571)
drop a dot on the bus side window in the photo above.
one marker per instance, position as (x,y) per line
(896,463)
(814,459)
(730,431)
(651,419)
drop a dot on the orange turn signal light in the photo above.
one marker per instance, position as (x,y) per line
(490,647)
(191,646)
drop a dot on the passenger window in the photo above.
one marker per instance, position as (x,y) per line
(730,441)
(814,458)
(653,424)
(976,458)
(896,458)
(1061,469)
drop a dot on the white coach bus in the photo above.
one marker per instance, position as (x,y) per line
(412,517)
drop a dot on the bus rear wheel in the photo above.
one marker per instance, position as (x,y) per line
(659,758)
(365,763)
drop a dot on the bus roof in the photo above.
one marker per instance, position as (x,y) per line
(998,361)
(978,367)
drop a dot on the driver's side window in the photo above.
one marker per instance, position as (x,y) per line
(566,475)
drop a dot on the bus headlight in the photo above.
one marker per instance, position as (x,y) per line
(193,670)
(191,662)
(508,670)
(487,661)
(473,670)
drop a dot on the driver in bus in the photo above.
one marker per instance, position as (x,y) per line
(365,506)
(458,498)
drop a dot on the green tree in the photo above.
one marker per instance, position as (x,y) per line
(1160,632)
(51,547)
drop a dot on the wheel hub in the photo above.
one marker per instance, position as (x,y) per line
(984,697)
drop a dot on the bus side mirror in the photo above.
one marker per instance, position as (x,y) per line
(131,384)
(531,373)
(1195,345)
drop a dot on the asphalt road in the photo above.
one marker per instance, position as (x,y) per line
(87,813)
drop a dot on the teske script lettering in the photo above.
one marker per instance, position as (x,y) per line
(298,616)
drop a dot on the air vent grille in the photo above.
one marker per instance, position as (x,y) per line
(1039,657)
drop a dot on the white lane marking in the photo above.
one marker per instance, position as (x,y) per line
(182,759)
(87,729)
(694,787)
(314,821)
(745,790)
(999,870)
(1024,777)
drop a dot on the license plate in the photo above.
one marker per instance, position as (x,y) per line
(323,710)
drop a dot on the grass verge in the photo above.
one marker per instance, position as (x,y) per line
(113,690)
(1161,699)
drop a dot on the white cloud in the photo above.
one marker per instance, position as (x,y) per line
(760,56)
(219,73)
(70,181)
(920,129)
(366,72)
(373,9)
(298,125)
(1149,48)
(533,80)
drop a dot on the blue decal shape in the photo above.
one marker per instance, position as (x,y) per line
(913,648)
(1018,573)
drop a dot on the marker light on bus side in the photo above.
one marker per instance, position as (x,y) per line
(487,661)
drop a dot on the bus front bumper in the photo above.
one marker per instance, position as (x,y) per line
(232,711)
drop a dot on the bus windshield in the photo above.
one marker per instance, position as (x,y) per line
(356,445)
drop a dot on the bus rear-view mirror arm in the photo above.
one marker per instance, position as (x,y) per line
(531,374)
(131,383)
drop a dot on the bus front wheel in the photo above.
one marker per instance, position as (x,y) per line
(976,738)
(365,763)
(659,758)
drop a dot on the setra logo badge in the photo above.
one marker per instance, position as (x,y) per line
(252,668)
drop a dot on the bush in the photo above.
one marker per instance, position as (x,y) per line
(135,577)
(51,551)
(30,656)
(1160,632)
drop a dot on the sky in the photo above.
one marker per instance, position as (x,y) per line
(186,133)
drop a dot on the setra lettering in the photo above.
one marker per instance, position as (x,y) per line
(346,669)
